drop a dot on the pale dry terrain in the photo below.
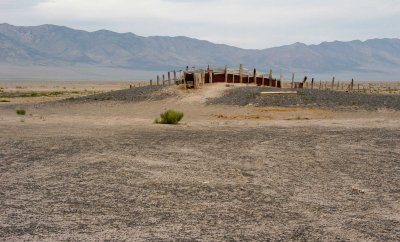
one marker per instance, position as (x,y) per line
(98,168)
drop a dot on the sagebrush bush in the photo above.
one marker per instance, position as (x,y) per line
(20,111)
(170,117)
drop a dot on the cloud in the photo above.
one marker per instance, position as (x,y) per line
(9,5)
(244,23)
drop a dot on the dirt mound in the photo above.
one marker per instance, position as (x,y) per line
(146,93)
(310,98)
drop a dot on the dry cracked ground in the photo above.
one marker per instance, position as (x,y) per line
(101,170)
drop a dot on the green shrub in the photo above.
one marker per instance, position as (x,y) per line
(20,111)
(170,117)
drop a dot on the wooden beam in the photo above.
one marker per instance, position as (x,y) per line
(352,84)
(255,76)
(226,74)
(292,80)
(278,93)
(163,79)
(241,73)
(270,77)
(184,80)
(174,76)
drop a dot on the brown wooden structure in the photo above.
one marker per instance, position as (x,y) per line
(194,78)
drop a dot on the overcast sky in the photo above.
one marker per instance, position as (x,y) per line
(243,23)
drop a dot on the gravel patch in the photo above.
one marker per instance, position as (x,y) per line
(310,98)
(138,94)
(212,184)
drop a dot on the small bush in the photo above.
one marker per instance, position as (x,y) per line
(170,117)
(20,111)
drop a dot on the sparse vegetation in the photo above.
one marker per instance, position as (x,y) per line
(29,94)
(20,111)
(169,117)
(4,101)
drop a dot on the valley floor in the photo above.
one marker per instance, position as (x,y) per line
(101,170)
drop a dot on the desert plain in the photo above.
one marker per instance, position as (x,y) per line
(86,164)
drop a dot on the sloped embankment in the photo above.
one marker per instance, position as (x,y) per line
(138,94)
(309,98)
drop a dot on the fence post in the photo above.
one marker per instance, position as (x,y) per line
(292,80)
(151,82)
(163,79)
(352,84)
(263,80)
(158,80)
(241,73)
(226,74)
(312,83)
(333,82)
(175,81)
(255,76)
(184,80)
(169,78)
(210,75)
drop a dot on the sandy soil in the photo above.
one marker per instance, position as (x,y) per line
(104,171)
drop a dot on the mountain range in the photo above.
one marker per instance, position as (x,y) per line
(58,52)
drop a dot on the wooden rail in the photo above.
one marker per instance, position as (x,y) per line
(194,78)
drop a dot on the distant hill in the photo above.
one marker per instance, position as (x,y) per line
(56,52)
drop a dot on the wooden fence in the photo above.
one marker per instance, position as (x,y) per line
(194,78)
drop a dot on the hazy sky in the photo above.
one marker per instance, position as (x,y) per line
(242,23)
